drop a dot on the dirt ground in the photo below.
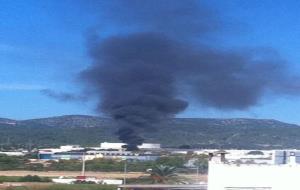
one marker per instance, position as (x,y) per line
(102,175)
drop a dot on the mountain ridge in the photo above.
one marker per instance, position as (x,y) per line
(88,130)
(75,117)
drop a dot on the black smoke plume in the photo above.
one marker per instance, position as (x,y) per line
(138,73)
(62,96)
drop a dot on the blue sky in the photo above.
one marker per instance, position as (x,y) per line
(43,45)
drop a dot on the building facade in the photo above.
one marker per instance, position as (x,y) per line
(225,175)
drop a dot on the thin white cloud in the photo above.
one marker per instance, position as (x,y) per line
(5,87)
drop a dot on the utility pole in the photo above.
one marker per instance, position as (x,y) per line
(125,171)
(83,164)
(8,141)
(29,145)
(197,173)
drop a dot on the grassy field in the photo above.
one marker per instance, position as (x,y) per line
(27,178)
(102,175)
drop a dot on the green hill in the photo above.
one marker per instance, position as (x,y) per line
(196,132)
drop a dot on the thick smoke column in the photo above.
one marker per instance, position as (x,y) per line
(138,74)
(135,78)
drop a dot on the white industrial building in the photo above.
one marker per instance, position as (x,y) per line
(14,153)
(282,174)
(64,148)
(119,146)
(106,150)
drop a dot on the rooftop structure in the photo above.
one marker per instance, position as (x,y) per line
(226,174)
(53,153)
(119,146)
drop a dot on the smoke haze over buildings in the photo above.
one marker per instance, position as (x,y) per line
(161,48)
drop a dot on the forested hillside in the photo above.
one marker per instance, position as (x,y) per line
(196,132)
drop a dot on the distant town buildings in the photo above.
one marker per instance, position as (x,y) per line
(228,169)
(105,150)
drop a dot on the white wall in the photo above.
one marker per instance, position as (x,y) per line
(276,177)
(107,145)
(13,153)
(149,146)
